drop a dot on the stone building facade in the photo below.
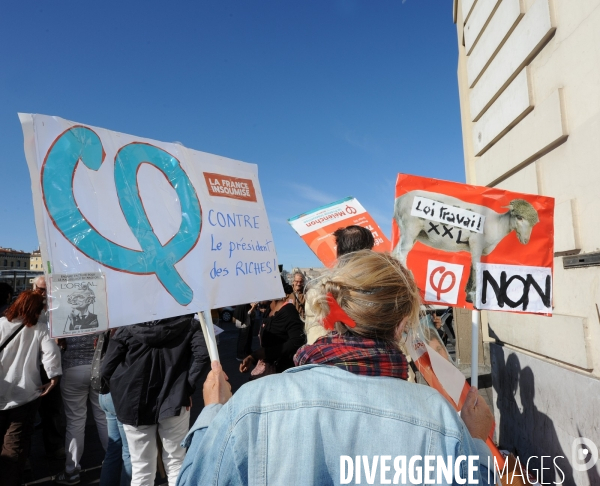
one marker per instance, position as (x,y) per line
(14,259)
(529,86)
(35,261)
(14,265)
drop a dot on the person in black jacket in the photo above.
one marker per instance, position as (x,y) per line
(281,335)
(151,369)
(243,318)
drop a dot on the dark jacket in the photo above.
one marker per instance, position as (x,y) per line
(281,336)
(152,368)
(240,312)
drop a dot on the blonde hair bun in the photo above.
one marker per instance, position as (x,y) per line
(374,289)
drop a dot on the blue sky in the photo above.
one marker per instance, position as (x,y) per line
(331,98)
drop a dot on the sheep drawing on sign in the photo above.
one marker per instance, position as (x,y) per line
(440,228)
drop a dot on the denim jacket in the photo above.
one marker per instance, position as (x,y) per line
(293,429)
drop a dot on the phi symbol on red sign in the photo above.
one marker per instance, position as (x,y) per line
(443,282)
(439,286)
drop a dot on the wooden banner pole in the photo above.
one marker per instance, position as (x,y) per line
(475,320)
(209,334)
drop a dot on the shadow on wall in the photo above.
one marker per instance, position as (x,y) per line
(523,429)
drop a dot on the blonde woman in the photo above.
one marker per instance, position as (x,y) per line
(347,407)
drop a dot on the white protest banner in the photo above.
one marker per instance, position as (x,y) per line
(172,230)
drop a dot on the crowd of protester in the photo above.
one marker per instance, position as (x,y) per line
(345,390)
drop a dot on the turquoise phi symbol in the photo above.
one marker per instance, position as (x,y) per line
(58,171)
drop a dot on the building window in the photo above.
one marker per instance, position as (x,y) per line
(12,264)
(5,263)
(18,264)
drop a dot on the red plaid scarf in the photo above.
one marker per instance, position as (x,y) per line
(355,354)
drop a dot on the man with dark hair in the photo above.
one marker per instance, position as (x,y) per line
(347,240)
(353,238)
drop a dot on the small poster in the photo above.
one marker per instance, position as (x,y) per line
(316,227)
(77,303)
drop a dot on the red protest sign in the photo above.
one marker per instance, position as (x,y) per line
(316,227)
(471,246)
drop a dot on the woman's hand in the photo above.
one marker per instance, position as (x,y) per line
(476,415)
(48,386)
(216,387)
(247,364)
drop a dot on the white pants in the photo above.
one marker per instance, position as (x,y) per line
(75,387)
(144,451)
